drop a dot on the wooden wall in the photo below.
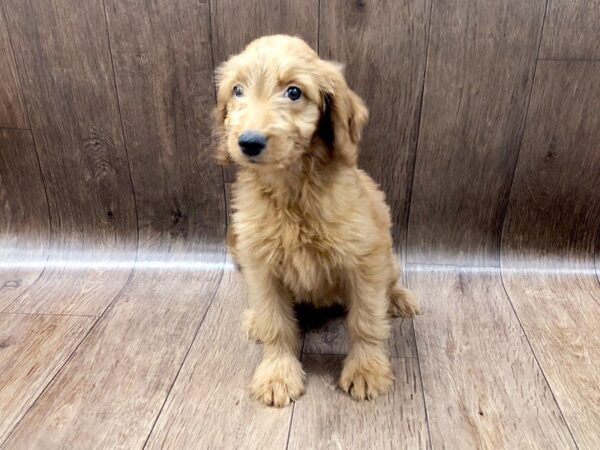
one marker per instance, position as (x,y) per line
(114,100)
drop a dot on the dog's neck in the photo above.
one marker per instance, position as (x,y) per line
(302,185)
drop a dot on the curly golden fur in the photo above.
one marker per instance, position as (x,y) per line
(307,224)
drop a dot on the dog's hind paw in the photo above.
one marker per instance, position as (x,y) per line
(249,325)
(403,303)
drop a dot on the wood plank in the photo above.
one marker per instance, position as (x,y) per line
(210,405)
(330,338)
(480,377)
(571,30)
(24,223)
(555,206)
(164,48)
(32,350)
(12,106)
(233,27)
(479,73)
(566,341)
(598,257)
(555,211)
(383,45)
(63,55)
(327,418)
(121,374)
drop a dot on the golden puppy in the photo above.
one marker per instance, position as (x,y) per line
(307,224)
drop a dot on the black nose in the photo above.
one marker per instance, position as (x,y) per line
(252,142)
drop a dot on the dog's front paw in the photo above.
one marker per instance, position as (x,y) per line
(278,382)
(366,379)
(249,325)
(403,303)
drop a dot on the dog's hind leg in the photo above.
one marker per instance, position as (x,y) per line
(403,302)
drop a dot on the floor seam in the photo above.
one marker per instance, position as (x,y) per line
(8,313)
(72,354)
(536,358)
(192,341)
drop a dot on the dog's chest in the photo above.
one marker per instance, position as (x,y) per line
(300,248)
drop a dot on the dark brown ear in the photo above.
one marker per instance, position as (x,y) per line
(344,113)
(219,137)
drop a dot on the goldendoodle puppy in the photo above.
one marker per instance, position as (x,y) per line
(307,224)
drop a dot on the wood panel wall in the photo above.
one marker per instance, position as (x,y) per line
(121,119)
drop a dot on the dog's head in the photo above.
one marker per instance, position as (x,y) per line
(276,98)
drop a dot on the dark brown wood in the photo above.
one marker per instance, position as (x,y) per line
(62,51)
(24,223)
(12,107)
(63,56)
(571,30)
(234,25)
(555,203)
(328,418)
(480,67)
(550,238)
(164,49)
(32,349)
(482,384)
(384,47)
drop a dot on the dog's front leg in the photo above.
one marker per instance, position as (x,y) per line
(279,379)
(367,370)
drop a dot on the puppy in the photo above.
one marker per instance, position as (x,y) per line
(307,224)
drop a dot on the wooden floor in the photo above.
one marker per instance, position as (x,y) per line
(497,360)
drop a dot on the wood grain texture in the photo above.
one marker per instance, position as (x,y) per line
(550,238)
(12,107)
(561,316)
(121,374)
(571,30)
(235,25)
(554,210)
(180,258)
(210,405)
(330,338)
(32,349)
(75,117)
(163,48)
(63,56)
(480,377)
(24,223)
(480,67)
(383,45)
(326,418)
(598,256)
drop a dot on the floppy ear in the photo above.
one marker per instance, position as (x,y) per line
(344,113)
(220,116)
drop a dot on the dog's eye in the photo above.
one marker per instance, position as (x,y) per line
(293,93)
(238,91)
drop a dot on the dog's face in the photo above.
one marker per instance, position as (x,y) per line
(276,97)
